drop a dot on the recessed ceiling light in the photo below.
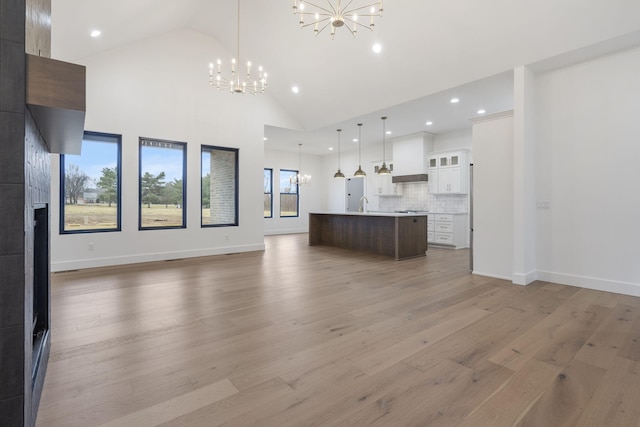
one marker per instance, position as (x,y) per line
(429,123)
(96,33)
(265,138)
(355,139)
(481,111)
(295,89)
(377,48)
(388,132)
(454,100)
(330,148)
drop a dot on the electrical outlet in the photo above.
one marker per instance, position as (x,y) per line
(226,238)
(91,247)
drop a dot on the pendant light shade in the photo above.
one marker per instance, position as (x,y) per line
(338,174)
(384,170)
(359,172)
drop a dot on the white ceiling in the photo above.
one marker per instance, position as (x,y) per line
(432,50)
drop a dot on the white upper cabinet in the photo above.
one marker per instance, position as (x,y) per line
(448,173)
(382,186)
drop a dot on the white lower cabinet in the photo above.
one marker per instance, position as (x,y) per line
(450,230)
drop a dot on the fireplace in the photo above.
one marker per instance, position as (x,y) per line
(40,324)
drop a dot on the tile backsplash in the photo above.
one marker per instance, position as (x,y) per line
(415,197)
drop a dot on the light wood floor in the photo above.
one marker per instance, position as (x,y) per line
(302,336)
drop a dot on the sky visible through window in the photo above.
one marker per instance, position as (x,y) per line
(206,162)
(156,160)
(96,155)
(285,185)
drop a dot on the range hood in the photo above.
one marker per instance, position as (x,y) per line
(421,177)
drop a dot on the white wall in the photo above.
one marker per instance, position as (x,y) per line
(588,133)
(493,196)
(159,88)
(310,195)
(459,139)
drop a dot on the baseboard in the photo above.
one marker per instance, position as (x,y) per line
(617,287)
(480,273)
(285,231)
(158,256)
(524,279)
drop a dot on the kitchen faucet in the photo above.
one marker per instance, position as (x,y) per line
(361,205)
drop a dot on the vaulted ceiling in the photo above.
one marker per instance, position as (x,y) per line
(431,50)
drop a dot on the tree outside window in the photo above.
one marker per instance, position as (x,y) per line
(162,184)
(90,185)
(289,200)
(268,193)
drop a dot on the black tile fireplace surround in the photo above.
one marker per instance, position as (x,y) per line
(25,177)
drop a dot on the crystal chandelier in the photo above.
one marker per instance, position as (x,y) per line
(237,81)
(300,179)
(339,174)
(338,13)
(384,170)
(360,172)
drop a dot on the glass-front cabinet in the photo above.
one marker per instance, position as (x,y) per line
(448,173)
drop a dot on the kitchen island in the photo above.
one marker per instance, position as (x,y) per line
(398,235)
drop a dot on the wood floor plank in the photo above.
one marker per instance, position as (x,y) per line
(378,361)
(615,402)
(508,403)
(605,344)
(300,335)
(564,402)
(185,404)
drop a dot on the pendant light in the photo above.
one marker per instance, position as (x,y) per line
(338,174)
(299,178)
(360,172)
(384,170)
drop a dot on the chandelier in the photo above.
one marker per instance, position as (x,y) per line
(338,13)
(238,81)
(299,179)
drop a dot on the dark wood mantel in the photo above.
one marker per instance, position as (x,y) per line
(399,235)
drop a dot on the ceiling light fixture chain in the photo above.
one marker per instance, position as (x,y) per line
(360,172)
(235,82)
(336,15)
(339,174)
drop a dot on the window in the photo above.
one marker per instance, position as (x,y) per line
(219,186)
(90,186)
(268,193)
(162,184)
(288,193)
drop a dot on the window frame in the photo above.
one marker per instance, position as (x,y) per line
(87,136)
(184,183)
(236,221)
(270,193)
(297,193)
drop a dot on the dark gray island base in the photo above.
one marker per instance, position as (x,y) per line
(398,235)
